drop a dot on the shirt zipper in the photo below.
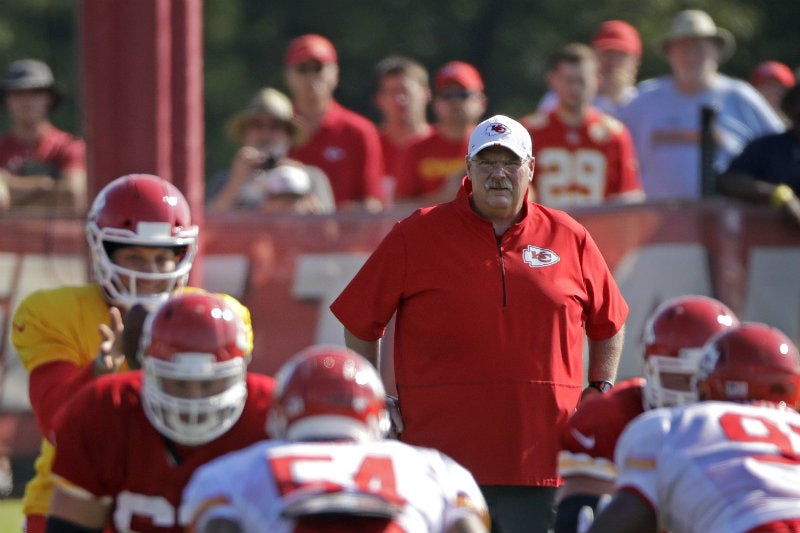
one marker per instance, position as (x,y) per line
(499,240)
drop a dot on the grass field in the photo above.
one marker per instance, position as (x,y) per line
(11,516)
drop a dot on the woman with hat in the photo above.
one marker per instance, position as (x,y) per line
(261,177)
(40,165)
(665,118)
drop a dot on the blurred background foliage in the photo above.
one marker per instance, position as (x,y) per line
(508,40)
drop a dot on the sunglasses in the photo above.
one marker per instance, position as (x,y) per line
(459,94)
(309,68)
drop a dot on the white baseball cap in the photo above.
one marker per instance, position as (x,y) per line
(287,179)
(500,130)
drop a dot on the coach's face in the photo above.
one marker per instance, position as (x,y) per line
(500,180)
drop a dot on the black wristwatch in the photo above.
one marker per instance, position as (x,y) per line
(602,386)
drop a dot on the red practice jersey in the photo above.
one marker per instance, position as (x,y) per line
(107,447)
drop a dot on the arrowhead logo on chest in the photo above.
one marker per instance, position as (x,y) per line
(536,257)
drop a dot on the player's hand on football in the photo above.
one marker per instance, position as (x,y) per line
(110,356)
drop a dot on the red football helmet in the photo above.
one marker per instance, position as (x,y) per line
(194,353)
(328,392)
(752,362)
(144,210)
(674,337)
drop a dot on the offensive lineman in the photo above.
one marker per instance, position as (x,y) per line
(334,471)
(126,444)
(673,340)
(730,464)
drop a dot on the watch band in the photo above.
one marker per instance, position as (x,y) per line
(602,386)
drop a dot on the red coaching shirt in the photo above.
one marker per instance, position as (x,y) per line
(489,332)
(347,148)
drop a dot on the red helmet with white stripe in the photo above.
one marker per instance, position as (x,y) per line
(139,210)
(752,362)
(194,353)
(674,337)
(327,392)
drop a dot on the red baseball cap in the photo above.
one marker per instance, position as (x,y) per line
(772,70)
(618,35)
(458,72)
(310,47)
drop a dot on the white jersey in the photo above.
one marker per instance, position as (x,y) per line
(254,483)
(714,466)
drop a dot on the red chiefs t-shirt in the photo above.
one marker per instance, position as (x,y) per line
(394,154)
(347,148)
(429,164)
(107,446)
(55,152)
(489,333)
(582,166)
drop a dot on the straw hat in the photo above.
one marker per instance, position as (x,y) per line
(694,23)
(270,102)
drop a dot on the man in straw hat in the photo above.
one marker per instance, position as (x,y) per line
(665,118)
(39,164)
(261,176)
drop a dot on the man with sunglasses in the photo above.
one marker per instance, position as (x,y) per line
(493,296)
(343,144)
(433,167)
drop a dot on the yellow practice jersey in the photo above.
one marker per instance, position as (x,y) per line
(62,324)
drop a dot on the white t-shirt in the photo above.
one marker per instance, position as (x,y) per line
(665,126)
(714,466)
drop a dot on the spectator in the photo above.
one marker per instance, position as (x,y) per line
(673,338)
(665,118)
(725,464)
(619,52)
(128,443)
(585,157)
(40,165)
(342,143)
(402,96)
(434,166)
(142,244)
(493,296)
(261,176)
(333,469)
(768,169)
(772,79)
